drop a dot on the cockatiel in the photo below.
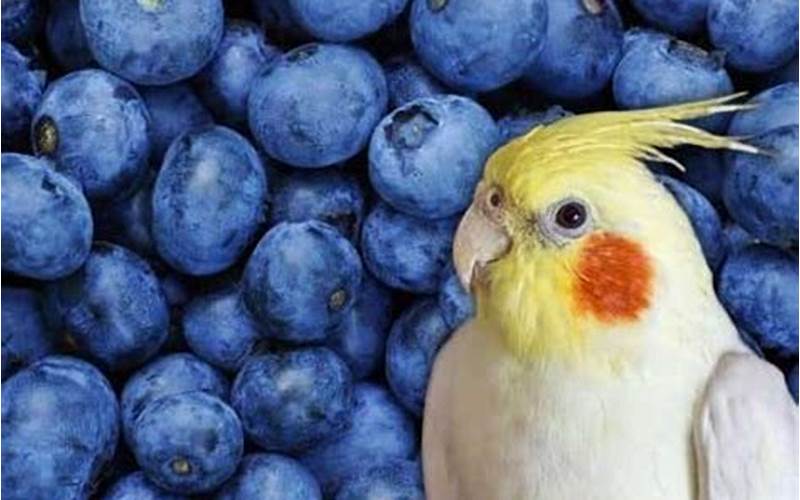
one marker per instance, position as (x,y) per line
(600,364)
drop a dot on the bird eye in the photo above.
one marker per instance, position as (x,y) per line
(571,215)
(495,199)
(566,220)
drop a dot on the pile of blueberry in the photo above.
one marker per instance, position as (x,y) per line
(227,226)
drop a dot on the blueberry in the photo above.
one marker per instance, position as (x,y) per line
(411,348)
(405,252)
(757,36)
(188,443)
(317,105)
(175,288)
(775,108)
(224,84)
(136,486)
(329,196)
(361,338)
(66,39)
(22,20)
(168,375)
(456,304)
(128,222)
(153,42)
(657,70)
(407,80)
(60,428)
(705,171)
(736,238)
(95,127)
(290,400)
(681,18)
(758,287)
(783,74)
(208,200)
(301,280)
(277,17)
(263,476)
(22,91)
(174,109)
(26,336)
(582,47)
(522,121)
(344,20)
(401,480)
(760,191)
(791,381)
(475,46)
(113,308)
(47,225)
(426,157)
(219,329)
(379,431)
(703,217)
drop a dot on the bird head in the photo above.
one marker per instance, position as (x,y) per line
(569,234)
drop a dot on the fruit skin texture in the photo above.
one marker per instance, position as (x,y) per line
(478,46)
(426,157)
(397,479)
(775,108)
(174,109)
(791,380)
(520,122)
(26,335)
(407,80)
(60,428)
(136,486)
(95,127)
(287,480)
(113,308)
(188,443)
(47,225)
(153,42)
(301,281)
(65,36)
(22,91)
(758,286)
(455,303)
(581,49)
(291,400)
(323,127)
(22,19)
(757,36)
(405,252)
(208,200)
(680,18)
(344,20)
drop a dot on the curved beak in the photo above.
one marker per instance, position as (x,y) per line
(479,240)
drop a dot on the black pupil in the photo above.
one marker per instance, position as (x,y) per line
(494,200)
(571,216)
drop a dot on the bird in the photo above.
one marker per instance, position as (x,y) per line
(599,363)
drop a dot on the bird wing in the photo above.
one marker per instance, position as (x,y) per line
(745,434)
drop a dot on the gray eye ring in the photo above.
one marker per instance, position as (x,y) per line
(566,220)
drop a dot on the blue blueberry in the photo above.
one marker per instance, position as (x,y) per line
(190,442)
(426,157)
(128,222)
(22,91)
(407,80)
(681,18)
(60,428)
(791,381)
(411,348)
(290,400)
(153,42)
(136,486)
(175,288)
(360,339)
(757,36)
(379,431)
(113,308)
(522,121)
(66,39)
(208,200)
(581,49)
(760,191)
(473,46)
(783,74)
(174,109)
(46,221)
(758,287)
(26,335)
(405,252)
(317,105)
(455,303)
(329,196)
(219,329)
(225,82)
(705,171)
(736,238)
(657,70)
(301,280)
(277,18)
(703,217)
(168,375)
(775,108)
(95,127)
(344,20)
(22,20)
(263,476)
(400,480)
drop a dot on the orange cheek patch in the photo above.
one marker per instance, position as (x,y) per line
(614,279)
